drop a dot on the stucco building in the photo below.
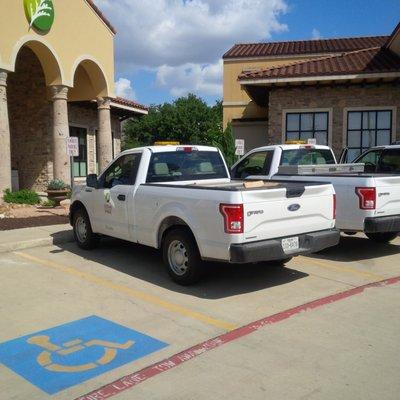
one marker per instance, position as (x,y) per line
(343,92)
(56,81)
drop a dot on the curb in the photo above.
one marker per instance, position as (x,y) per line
(62,237)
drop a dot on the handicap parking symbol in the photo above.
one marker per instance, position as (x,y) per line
(58,358)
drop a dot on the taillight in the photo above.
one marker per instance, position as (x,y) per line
(367,198)
(334,206)
(233,217)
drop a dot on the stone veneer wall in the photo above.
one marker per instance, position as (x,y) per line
(30,114)
(337,98)
(86,117)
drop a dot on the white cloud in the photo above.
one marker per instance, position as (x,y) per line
(123,88)
(187,35)
(191,78)
(316,34)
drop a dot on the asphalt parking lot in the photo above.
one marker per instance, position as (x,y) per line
(110,324)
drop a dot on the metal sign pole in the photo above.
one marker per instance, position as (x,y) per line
(72,171)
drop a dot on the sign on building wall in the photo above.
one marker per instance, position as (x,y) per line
(40,14)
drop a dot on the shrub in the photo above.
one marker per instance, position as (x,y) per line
(57,184)
(24,196)
(49,203)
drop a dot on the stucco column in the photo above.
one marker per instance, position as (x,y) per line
(5,149)
(104,135)
(61,163)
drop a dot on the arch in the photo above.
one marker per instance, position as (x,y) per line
(47,56)
(89,79)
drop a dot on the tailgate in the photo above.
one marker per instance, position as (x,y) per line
(387,195)
(295,209)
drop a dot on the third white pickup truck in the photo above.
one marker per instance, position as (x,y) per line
(181,199)
(366,202)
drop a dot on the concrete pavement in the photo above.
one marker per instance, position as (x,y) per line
(347,349)
(34,237)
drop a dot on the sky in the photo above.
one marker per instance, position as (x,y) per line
(169,48)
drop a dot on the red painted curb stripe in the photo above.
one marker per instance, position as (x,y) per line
(129,381)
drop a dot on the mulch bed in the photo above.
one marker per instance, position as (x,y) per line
(7,224)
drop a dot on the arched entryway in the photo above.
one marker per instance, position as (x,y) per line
(90,83)
(30,115)
(39,107)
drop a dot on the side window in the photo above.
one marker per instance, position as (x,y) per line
(370,159)
(254,164)
(390,161)
(122,172)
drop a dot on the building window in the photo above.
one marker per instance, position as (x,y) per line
(366,129)
(307,125)
(80,162)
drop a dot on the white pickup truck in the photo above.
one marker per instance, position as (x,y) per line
(181,199)
(366,202)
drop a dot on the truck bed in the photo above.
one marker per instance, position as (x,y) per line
(237,185)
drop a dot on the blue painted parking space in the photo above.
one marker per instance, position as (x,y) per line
(69,354)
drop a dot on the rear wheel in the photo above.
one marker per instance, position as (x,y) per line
(382,237)
(83,234)
(181,256)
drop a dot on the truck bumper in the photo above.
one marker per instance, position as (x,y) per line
(268,250)
(390,223)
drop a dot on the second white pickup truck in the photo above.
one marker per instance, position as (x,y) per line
(181,199)
(366,202)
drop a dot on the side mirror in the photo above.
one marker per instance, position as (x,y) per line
(91,181)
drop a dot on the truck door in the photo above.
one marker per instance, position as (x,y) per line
(257,163)
(115,189)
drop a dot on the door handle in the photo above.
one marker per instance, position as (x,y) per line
(121,197)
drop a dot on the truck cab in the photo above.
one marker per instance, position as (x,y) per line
(380,159)
(266,160)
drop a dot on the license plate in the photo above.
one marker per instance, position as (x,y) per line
(290,244)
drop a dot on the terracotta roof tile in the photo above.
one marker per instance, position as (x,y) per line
(367,61)
(130,103)
(101,15)
(305,47)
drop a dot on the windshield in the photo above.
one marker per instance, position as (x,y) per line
(307,157)
(186,166)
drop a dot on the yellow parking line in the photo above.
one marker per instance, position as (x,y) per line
(336,267)
(130,292)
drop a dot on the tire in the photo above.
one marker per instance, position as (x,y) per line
(350,233)
(382,237)
(83,234)
(181,256)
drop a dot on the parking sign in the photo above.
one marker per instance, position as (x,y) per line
(73,147)
(239,147)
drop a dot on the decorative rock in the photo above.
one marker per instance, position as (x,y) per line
(65,203)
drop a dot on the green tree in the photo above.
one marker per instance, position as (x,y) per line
(226,144)
(188,120)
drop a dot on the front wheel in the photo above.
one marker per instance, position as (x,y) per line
(181,257)
(382,237)
(83,234)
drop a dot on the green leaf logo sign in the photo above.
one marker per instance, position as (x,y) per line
(40,14)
